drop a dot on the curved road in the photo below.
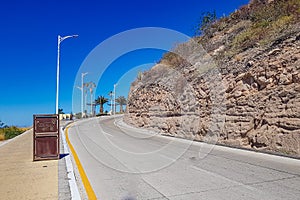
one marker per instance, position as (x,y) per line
(127,163)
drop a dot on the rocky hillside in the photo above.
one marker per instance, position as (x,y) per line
(237,84)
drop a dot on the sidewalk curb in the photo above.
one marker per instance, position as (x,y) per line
(75,195)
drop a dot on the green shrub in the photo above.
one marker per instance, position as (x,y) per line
(267,22)
(12,131)
(101,114)
(245,39)
(282,23)
(205,22)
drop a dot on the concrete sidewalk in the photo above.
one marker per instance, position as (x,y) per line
(20,177)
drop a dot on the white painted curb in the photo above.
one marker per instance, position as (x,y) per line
(72,181)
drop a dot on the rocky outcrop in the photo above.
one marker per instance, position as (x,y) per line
(263,102)
(249,99)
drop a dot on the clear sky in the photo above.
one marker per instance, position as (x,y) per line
(28,39)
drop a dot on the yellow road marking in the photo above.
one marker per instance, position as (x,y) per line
(88,188)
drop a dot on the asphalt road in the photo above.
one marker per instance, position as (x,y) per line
(126,163)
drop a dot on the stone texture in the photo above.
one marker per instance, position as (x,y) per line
(251,99)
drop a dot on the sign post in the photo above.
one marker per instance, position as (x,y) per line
(45,137)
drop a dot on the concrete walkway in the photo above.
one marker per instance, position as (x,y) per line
(20,177)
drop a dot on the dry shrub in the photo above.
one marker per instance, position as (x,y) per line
(268,20)
(174,60)
(2,135)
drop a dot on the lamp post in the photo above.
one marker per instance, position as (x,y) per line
(115,98)
(59,40)
(82,88)
(85,85)
(111,108)
(92,86)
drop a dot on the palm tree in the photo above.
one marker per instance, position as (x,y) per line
(122,101)
(60,111)
(101,100)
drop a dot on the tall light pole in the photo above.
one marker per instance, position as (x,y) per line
(115,98)
(82,88)
(92,86)
(85,85)
(59,40)
(111,108)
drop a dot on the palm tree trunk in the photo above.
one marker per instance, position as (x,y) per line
(101,108)
(121,108)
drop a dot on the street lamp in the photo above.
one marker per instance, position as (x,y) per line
(59,40)
(82,88)
(111,108)
(115,98)
(92,86)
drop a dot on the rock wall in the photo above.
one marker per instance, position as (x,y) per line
(251,99)
(263,102)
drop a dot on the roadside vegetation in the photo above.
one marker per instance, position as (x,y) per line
(100,101)
(8,132)
(258,24)
(267,22)
(121,100)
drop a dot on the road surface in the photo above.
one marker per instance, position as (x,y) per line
(127,163)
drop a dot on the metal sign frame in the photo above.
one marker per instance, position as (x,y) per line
(46,137)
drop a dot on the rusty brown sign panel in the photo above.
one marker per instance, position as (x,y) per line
(46,124)
(45,137)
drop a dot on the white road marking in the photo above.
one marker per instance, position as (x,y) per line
(164,156)
(223,177)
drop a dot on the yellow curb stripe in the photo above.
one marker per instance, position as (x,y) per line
(88,188)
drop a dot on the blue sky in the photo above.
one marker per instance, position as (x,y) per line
(28,39)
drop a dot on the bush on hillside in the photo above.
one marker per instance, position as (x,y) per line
(10,132)
(268,20)
(2,135)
